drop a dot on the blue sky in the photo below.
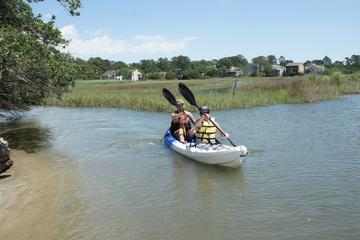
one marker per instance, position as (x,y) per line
(131,30)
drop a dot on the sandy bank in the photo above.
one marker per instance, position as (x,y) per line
(30,198)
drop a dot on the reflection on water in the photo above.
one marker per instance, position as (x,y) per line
(26,135)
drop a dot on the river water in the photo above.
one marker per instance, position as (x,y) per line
(301,179)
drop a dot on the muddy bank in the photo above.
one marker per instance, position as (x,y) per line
(32,193)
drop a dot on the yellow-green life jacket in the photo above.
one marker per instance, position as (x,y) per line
(206,133)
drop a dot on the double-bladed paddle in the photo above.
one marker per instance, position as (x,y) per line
(172,100)
(189,96)
(169,96)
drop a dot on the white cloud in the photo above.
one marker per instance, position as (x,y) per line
(47,17)
(69,32)
(104,45)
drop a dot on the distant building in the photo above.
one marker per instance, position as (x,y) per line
(109,74)
(162,74)
(136,75)
(250,69)
(292,69)
(279,70)
(233,72)
(314,69)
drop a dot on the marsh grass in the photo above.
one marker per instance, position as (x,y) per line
(217,93)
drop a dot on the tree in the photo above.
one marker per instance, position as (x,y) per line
(148,66)
(233,61)
(164,64)
(355,60)
(31,66)
(338,64)
(199,69)
(327,61)
(282,60)
(99,66)
(181,65)
(265,67)
(71,6)
(119,65)
(272,59)
(318,61)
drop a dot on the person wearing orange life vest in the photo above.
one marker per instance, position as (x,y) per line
(181,127)
(205,129)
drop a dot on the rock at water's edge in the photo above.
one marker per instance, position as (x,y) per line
(5,161)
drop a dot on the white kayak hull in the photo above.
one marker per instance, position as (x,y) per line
(223,155)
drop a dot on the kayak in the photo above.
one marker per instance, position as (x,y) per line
(219,154)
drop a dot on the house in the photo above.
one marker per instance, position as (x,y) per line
(136,75)
(314,69)
(109,74)
(292,69)
(279,70)
(251,69)
(233,72)
(163,74)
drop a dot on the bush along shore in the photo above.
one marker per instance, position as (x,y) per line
(220,94)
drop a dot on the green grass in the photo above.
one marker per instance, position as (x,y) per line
(217,93)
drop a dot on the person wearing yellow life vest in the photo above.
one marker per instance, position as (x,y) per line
(205,129)
(181,127)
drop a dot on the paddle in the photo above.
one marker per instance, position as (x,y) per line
(189,96)
(172,100)
(169,96)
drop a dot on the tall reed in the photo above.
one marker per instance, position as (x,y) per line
(217,93)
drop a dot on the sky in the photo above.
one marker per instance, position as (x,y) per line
(131,30)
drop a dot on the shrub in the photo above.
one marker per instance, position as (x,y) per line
(171,75)
(318,80)
(337,78)
(153,76)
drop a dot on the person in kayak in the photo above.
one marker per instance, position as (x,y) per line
(181,127)
(206,130)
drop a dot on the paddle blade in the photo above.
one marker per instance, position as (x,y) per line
(187,94)
(169,96)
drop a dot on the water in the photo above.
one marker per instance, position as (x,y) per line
(300,181)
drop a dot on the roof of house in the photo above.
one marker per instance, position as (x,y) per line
(109,73)
(293,64)
(312,65)
(277,67)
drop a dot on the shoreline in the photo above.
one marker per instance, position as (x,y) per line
(30,197)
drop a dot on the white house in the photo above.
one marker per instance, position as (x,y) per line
(279,70)
(233,72)
(136,75)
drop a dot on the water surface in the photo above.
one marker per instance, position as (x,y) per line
(300,181)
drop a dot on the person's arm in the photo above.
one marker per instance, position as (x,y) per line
(175,116)
(220,131)
(198,121)
(190,116)
(218,128)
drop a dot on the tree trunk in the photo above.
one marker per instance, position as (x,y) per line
(5,161)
